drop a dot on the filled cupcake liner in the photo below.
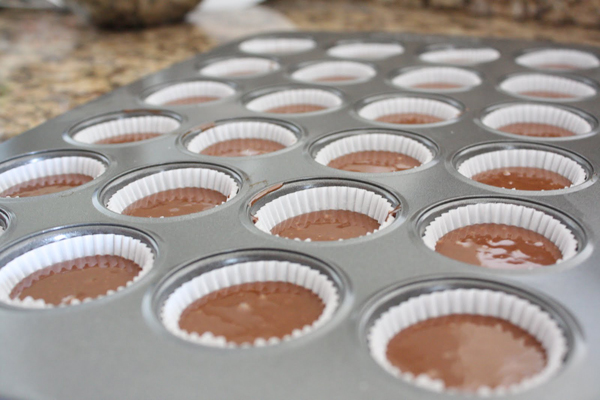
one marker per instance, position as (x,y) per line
(461,56)
(579,59)
(511,308)
(169,180)
(547,83)
(242,130)
(507,214)
(185,90)
(418,105)
(374,142)
(124,126)
(69,249)
(537,114)
(545,160)
(314,72)
(277,45)
(464,78)
(51,166)
(294,96)
(321,199)
(249,272)
(366,51)
(233,66)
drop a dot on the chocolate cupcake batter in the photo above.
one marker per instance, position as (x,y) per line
(295,109)
(250,311)
(558,66)
(408,118)
(78,279)
(547,94)
(242,148)
(499,246)
(191,100)
(467,352)
(128,138)
(438,85)
(535,129)
(523,178)
(46,185)
(336,78)
(174,202)
(374,162)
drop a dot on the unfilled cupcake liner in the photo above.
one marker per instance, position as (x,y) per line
(70,249)
(418,105)
(294,96)
(185,90)
(314,72)
(461,56)
(169,180)
(366,51)
(248,272)
(547,83)
(374,142)
(51,166)
(507,214)
(124,126)
(322,199)
(277,45)
(537,114)
(464,78)
(242,130)
(511,308)
(231,67)
(579,59)
(545,160)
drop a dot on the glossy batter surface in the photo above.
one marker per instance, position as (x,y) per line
(46,185)
(171,203)
(374,162)
(523,178)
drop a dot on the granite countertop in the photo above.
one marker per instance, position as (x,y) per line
(51,62)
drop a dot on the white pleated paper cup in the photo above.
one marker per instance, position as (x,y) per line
(520,312)
(184,90)
(528,158)
(366,51)
(374,142)
(327,72)
(240,67)
(87,166)
(155,124)
(409,105)
(290,97)
(570,88)
(242,130)
(249,272)
(434,75)
(546,59)
(506,214)
(461,56)
(321,199)
(169,180)
(277,45)
(70,249)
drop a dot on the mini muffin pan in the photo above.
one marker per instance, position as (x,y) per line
(117,347)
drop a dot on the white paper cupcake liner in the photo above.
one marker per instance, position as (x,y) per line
(511,308)
(249,66)
(366,51)
(169,180)
(242,130)
(321,199)
(461,56)
(314,72)
(51,166)
(579,59)
(545,160)
(403,105)
(294,96)
(538,114)
(466,79)
(547,83)
(248,272)
(69,249)
(185,90)
(277,45)
(507,214)
(124,126)
(374,142)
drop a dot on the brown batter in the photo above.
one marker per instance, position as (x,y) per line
(326,225)
(191,100)
(408,118)
(565,67)
(547,94)
(295,109)
(174,202)
(499,246)
(535,129)
(78,279)
(250,311)
(523,178)
(336,78)
(374,162)
(242,148)
(46,185)
(128,138)
(467,352)
(438,85)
